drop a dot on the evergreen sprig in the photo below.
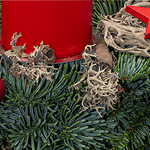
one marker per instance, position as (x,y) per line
(28,126)
(131,68)
(105,7)
(133,124)
(37,128)
(82,130)
(21,91)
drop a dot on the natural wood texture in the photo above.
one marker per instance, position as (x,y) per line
(124,32)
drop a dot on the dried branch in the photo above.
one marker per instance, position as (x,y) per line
(17,51)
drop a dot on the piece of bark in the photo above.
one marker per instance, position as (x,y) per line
(103,54)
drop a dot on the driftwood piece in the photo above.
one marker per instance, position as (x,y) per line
(124,32)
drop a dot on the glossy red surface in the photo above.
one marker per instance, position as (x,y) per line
(64,25)
(2,89)
(141,13)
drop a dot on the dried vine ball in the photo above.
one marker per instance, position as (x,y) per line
(103,89)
